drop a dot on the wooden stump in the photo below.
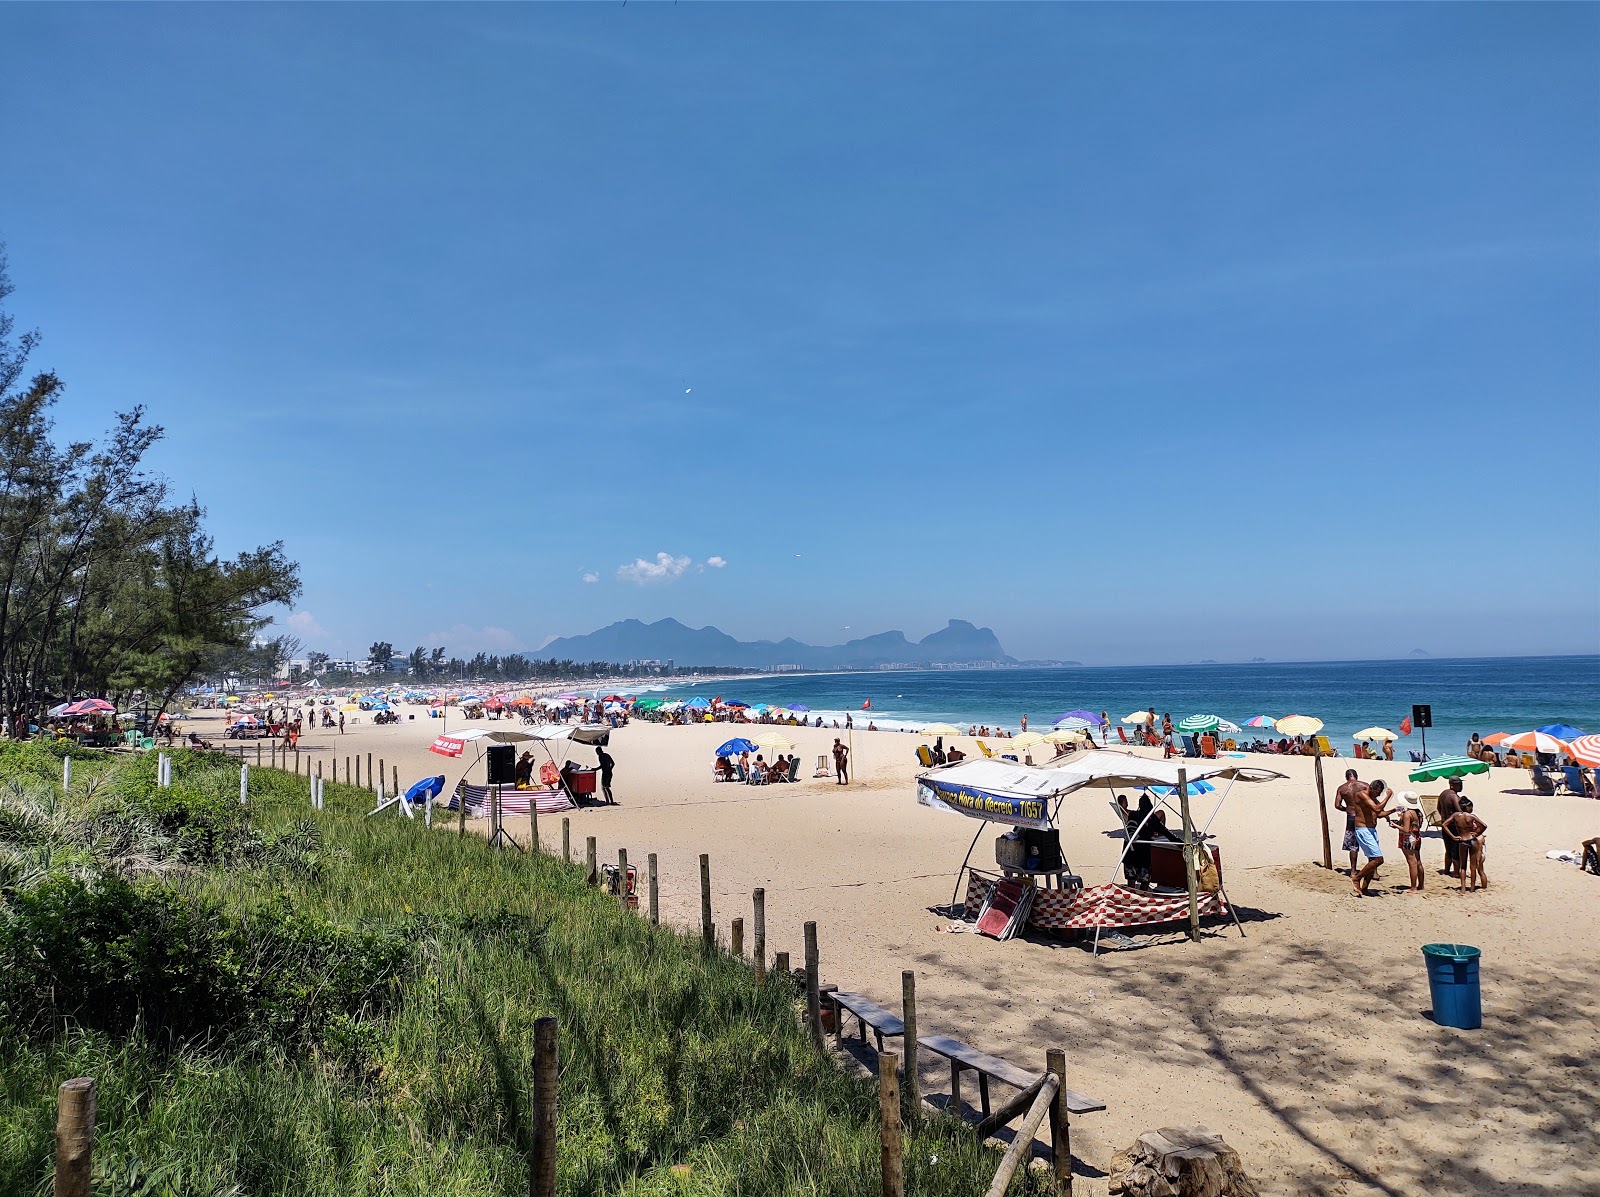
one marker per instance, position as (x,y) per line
(1179,1161)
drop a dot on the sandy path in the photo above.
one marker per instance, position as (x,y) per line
(1305,1043)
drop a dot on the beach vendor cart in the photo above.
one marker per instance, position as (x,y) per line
(499,800)
(1032,884)
(557,739)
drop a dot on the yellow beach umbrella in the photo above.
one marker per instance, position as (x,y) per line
(1063,737)
(1375,733)
(941,729)
(1025,740)
(1299,725)
(773,740)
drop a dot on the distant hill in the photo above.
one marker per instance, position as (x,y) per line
(957,643)
(1420,652)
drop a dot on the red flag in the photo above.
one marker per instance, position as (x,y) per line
(867,706)
(1405,726)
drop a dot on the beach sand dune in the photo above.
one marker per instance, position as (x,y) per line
(1306,1042)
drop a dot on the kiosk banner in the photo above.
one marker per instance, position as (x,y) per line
(983,804)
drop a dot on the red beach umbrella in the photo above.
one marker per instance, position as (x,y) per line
(1585,750)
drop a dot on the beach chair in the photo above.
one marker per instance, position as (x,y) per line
(1122,735)
(1572,779)
(794,768)
(744,775)
(1004,909)
(984,748)
(1189,748)
(1208,746)
(1430,812)
(822,765)
(1231,745)
(1324,748)
(925,756)
(1527,760)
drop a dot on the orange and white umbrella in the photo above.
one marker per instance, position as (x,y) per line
(1585,750)
(1534,741)
(1497,738)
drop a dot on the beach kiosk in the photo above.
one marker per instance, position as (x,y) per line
(1032,884)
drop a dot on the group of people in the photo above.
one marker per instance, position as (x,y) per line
(759,772)
(1462,830)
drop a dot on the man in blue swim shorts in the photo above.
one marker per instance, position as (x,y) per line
(1367,810)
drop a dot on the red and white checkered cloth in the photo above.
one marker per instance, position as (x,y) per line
(1101,906)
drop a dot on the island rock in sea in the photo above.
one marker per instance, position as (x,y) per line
(957,643)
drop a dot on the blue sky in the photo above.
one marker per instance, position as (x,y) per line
(1138,333)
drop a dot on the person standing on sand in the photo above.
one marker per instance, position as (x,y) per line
(1024,721)
(1469,832)
(341,723)
(1341,801)
(1367,813)
(1105,729)
(841,762)
(1150,726)
(606,766)
(1449,804)
(1408,822)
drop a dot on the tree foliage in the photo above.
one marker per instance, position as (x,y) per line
(106,585)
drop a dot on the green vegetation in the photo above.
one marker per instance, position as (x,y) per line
(276,1001)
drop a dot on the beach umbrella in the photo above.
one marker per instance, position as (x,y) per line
(735,746)
(1025,740)
(1071,723)
(1497,738)
(1136,717)
(428,787)
(945,729)
(1299,725)
(1227,727)
(1201,723)
(644,704)
(1448,766)
(1374,733)
(698,704)
(58,710)
(1534,742)
(1585,750)
(732,702)
(1195,787)
(1090,719)
(1064,735)
(773,740)
(1562,731)
(90,706)
(799,708)
(568,697)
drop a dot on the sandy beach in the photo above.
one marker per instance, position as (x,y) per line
(1305,1042)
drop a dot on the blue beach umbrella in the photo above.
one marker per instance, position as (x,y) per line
(1195,787)
(737,745)
(1562,731)
(798,707)
(428,787)
(698,704)
(1090,719)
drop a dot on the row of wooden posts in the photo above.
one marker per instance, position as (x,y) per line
(75,1118)
(289,759)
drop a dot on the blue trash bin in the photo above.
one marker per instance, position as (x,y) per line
(1453,984)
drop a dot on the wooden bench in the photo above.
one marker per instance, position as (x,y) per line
(868,1014)
(963,1056)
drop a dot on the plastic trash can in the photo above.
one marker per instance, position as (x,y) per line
(1453,984)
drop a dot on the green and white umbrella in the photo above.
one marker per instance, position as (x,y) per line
(1448,766)
(1199,723)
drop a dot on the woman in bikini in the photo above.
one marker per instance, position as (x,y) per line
(1408,822)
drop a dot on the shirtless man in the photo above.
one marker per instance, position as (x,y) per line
(1367,811)
(1449,804)
(1341,801)
(1469,831)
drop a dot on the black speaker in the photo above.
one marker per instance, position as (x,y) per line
(502,760)
(1421,715)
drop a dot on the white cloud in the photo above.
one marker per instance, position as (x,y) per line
(665,568)
(463,640)
(305,625)
(590,576)
(716,562)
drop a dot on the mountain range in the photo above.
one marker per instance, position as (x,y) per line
(957,643)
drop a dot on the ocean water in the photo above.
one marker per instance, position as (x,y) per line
(1474,695)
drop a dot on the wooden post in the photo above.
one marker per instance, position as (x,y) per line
(736,938)
(1188,856)
(593,866)
(893,1164)
(319,770)
(1055,1063)
(396,789)
(908,1000)
(622,878)
(708,929)
(813,998)
(273,755)
(1022,1141)
(655,892)
(780,967)
(370,782)
(759,900)
(75,1107)
(1322,806)
(258,754)
(533,823)
(542,1168)
(566,839)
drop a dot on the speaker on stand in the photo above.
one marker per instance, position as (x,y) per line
(502,764)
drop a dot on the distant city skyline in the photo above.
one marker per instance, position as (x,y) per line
(1138,333)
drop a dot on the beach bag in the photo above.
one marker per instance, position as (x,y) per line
(1206,878)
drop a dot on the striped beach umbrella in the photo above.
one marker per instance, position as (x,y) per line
(1533,741)
(940,729)
(1448,766)
(1024,740)
(1585,750)
(1199,723)
(1299,725)
(1261,721)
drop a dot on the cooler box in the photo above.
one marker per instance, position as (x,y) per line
(579,781)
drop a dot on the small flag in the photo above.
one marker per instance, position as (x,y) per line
(867,706)
(1405,726)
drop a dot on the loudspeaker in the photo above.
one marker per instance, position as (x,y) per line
(502,760)
(1421,715)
